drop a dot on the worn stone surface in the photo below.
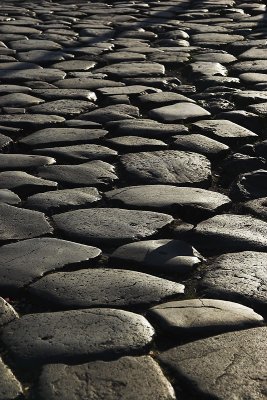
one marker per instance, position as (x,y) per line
(103,287)
(237,360)
(7,313)
(20,262)
(239,276)
(128,378)
(41,338)
(203,316)
(10,387)
(110,224)
(168,167)
(179,111)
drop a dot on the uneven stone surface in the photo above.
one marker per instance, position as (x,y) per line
(20,262)
(168,167)
(10,387)
(128,378)
(238,276)
(7,313)
(203,316)
(41,338)
(110,224)
(104,287)
(238,369)
(138,127)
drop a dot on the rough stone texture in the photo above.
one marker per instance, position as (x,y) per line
(257,207)
(110,225)
(230,232)
(10,387)
(171,198)
(20,262)
(18,223)
(20,181)
(163,255)
(179,111)
(203,316)
(7,196)
(93,333)
(168,167)
(200,144)
(238,276)
(251,185)
(227,366)
(129,378)
(7,313)
(60,199)
(104,287)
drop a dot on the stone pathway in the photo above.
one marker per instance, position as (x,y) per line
(133,200)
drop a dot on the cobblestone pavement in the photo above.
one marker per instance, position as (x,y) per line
(133,200)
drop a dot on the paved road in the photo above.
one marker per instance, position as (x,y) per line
(133,200)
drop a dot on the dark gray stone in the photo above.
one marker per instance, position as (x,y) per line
(7,196)
(163,98)
(36,121)
(232,232)
(22,75)
(58,94)
(251,185)
(178,112)
(128,143)
(94,333)
(62,136)
(203,316)
(104,287)
(74,65)
(114,112)
(7,314)
(19,100)
(168,167)
(33,44)
(146,128)
(42,56)
(18,223)
(110,225)
(95,172)
(10,387)
(23,161)
(171,198)
(125,69)
(86,83)
(132,90)
(27,260)
(79,153)
(129,378)
(61,199)
(5,141)
(22,183)
(163,255)
(237,276)
(257,207)
(200,144)
(225,131)
(228,366)
(63,107)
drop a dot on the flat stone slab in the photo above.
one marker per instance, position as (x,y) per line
(63,107)
(114,112)
(79,153)
(251,78)
(18,223)
(61,199)
(110,225)
(75,65)
(23,161)
(200,144)
(95,172)
(22,182)
(103,287)
(237,359)
(5,141)
(86,83)
(34,44)
(178,111)
(127,90)
(19,100)
(22,75)
(58,94)
(53,137)
(128,143)
(9,197)
(125,376)
(146,128)
(237,276)
(251,185)
(27,260)
(225,131)
(162,98)
(32,121)
(232,232)
(171,198)
(203,316)
(7,314)
(164,255)
(10,387)
(94,333)
(168,167)
(134,69)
